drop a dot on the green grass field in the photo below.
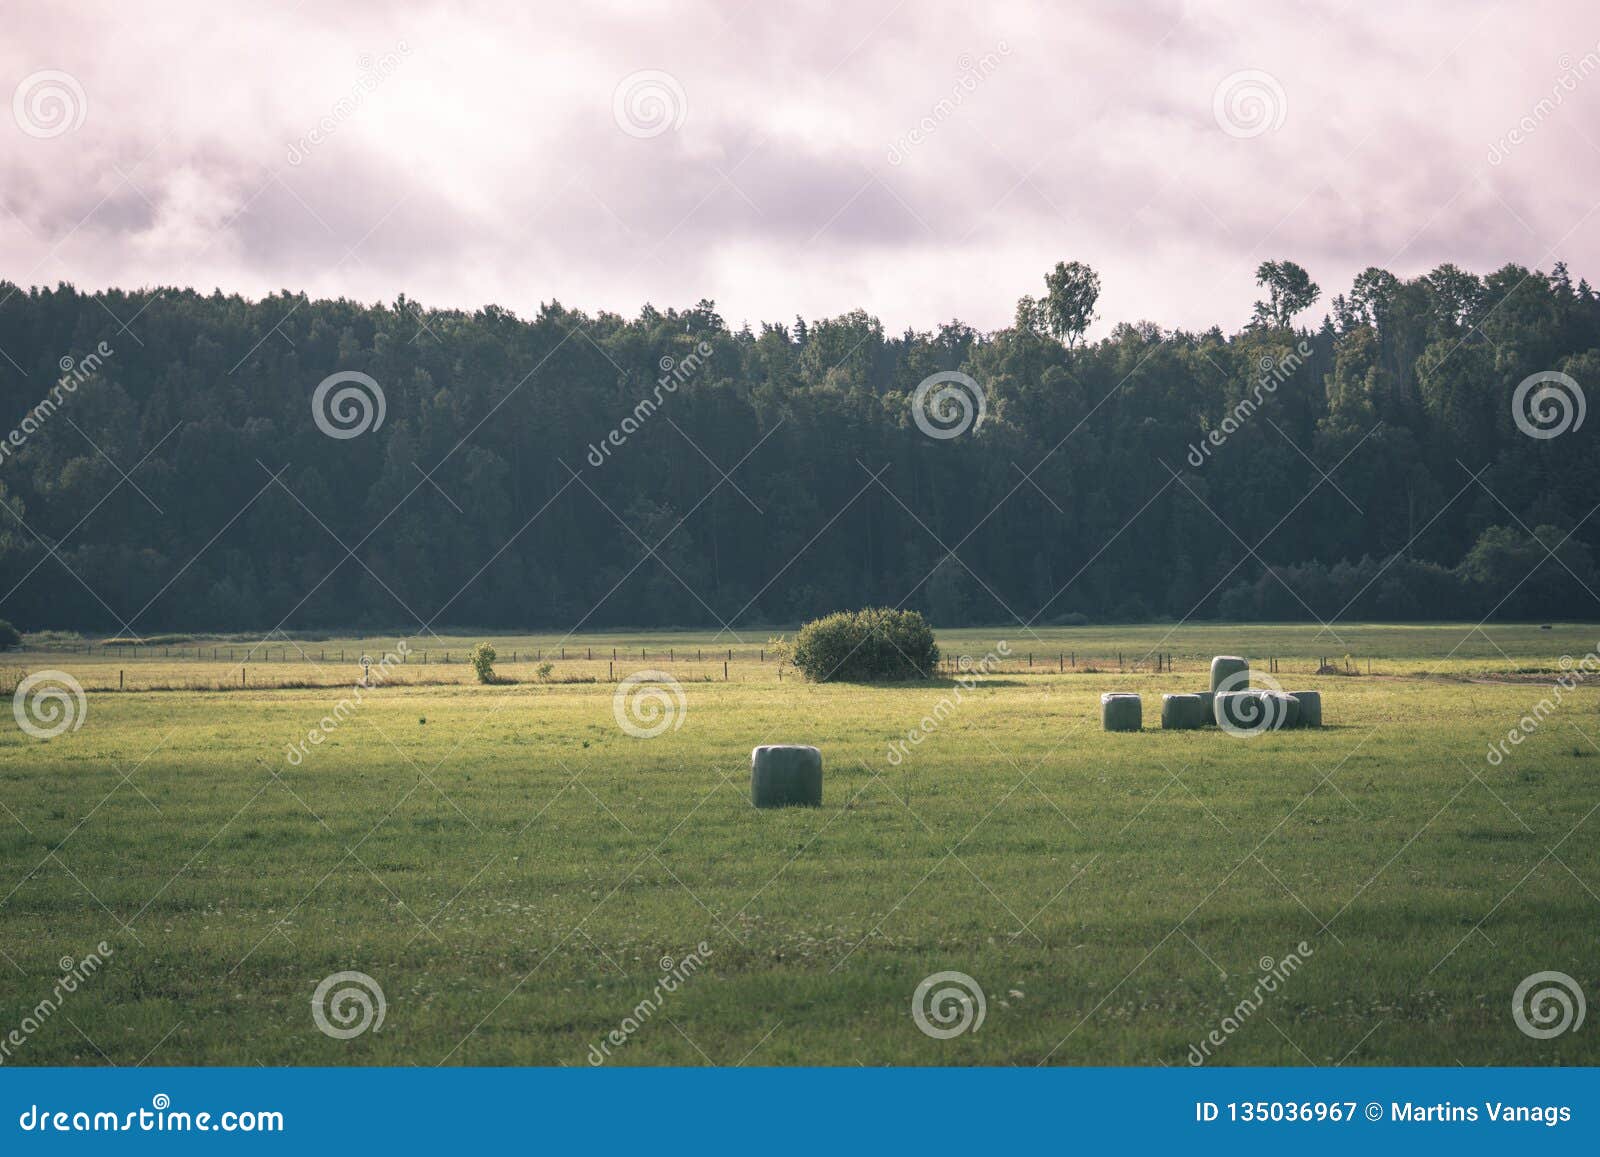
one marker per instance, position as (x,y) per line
(511,867)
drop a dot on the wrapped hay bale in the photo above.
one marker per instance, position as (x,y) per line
(1243,712)
(1207,716)
(1181,712)
(1310,708)
(1283,710)
(786,775)
(1229,673)
(1252,712)
(1121,711)
(1228,708)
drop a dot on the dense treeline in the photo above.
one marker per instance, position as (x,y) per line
(552,473)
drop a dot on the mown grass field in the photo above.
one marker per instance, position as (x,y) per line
(511,867)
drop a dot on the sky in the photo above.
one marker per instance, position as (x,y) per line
(925,162)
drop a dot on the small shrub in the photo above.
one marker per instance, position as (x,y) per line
(543,671)
(10,637)
(872,645)
(482,660)
(782,650)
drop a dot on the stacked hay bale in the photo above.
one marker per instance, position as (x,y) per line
(1231,703)
(1229,673)
(1121,711)
(1230,678)
(1182,712)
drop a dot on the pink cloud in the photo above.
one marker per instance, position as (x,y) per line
(487,165)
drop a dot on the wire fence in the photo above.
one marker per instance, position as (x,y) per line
(287,665)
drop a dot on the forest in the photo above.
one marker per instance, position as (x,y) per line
(174,462)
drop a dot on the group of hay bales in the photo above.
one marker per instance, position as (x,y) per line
(790,775)
(1231,704)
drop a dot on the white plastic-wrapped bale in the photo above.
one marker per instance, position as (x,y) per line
(1228,708)
(1181,712)
(1249,712)
(1310,708)
(1283,710)
(1230,673)
(1121,711)
(786,775)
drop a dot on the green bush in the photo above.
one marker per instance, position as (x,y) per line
(874,645)
(10,637)
(482,659)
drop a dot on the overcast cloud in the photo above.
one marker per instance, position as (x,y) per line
(476,154)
